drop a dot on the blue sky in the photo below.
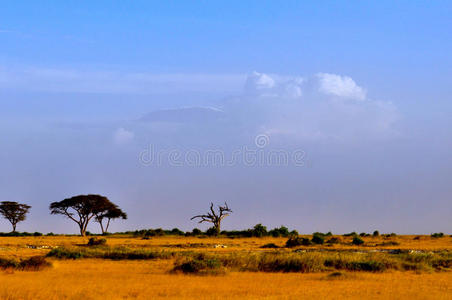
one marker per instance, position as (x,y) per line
(362,88)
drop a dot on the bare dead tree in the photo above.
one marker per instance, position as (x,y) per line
(214,217)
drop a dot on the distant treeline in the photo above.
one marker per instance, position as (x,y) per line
(258,230)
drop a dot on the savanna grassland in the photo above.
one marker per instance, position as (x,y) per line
(175,267)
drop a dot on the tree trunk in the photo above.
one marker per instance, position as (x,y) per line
(101,227)
(217,228)
(82,230)
(85,226)
(14,227)
(108,224)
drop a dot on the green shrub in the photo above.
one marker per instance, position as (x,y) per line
(281,231)
(154,232)
(376,233)
(259,230)
(294,232)
(274,233)
(357,241)
(200,265)
(306,242)
(196,231)
(437,235)
(318,239)
(96,242)
(212,231)
(295,241)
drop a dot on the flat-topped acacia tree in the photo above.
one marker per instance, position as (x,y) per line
(81,209)
(14,212)
(214,217)
(110,212)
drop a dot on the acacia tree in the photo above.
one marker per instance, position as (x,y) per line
(80,209)
(111,211)
(215,217)
(14,212)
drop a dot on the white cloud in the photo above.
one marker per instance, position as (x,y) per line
(340,86)
(306,108)
(123,136)
(258,83)
(269,85)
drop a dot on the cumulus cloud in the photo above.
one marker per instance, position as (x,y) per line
(266,85)
(257,83)
(307,108)
(123,136)
(340,86)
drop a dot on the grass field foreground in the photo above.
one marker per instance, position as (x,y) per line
(175,267)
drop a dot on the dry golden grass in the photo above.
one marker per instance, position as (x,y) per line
(150,279)
(102,279)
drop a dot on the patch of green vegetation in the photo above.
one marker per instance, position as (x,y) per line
(295,241)
(357,241)
(318,239)
(199,265)
(197,262)
(437,235)
(97,242)
(35,263)
(116,253)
